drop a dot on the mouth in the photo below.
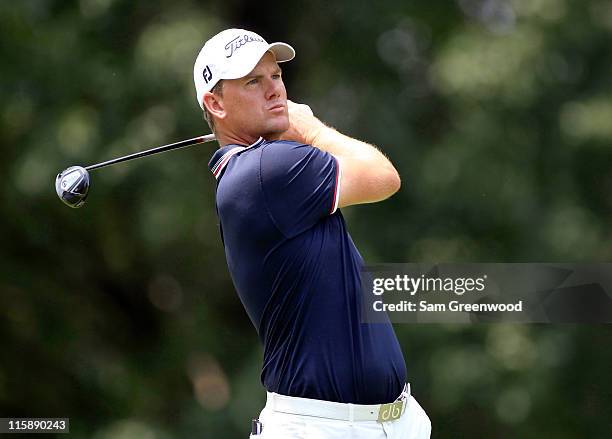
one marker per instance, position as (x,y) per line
(277,108)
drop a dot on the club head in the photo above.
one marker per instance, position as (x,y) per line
(72,186)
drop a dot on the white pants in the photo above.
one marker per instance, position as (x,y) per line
(413,424)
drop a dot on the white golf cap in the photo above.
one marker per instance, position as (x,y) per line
(232,54)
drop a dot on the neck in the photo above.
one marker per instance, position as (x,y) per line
(231,138)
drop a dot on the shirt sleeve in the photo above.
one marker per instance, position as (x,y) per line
(300,185)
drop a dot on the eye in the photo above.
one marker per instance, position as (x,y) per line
(276,76)
(252,81)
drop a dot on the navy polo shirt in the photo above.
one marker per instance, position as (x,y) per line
(297,273)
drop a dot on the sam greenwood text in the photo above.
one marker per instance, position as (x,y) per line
(453,306)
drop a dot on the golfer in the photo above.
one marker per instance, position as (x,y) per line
(282,176)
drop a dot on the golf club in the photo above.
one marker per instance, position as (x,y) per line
(72,184)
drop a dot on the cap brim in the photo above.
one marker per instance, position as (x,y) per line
(282,51)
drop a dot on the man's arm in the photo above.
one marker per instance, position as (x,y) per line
(367,175)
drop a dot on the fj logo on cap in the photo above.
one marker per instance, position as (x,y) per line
(238,42)
(207,74)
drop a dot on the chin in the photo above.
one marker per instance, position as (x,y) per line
(275,130)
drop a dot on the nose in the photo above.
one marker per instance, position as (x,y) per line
(274,88)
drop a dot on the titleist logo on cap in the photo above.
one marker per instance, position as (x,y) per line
(238,42)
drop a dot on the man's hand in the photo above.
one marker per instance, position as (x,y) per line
(304,127)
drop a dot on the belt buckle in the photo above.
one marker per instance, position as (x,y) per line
(391,411)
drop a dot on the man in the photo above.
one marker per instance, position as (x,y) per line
(281,177)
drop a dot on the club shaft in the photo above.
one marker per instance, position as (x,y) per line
(157,150)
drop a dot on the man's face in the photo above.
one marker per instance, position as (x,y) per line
(256,105)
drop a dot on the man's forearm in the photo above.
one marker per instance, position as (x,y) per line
(338,144)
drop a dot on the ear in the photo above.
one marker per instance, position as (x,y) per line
(214,105)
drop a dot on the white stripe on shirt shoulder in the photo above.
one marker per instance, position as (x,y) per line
(337,188)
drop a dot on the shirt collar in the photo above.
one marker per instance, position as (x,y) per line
(222,156)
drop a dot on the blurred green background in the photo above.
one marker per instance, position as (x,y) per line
(122,316)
